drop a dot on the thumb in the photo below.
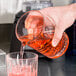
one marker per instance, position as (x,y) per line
(57,36)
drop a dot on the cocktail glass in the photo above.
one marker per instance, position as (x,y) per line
(27,66)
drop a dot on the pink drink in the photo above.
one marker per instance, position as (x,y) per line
(22,71)
(27,66)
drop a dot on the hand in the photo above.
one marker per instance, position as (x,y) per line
(63,17)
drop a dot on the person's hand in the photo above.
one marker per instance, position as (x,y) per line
(63,17)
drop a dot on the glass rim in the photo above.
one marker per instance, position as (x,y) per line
(31,58)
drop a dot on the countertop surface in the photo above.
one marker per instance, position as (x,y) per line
(63,66)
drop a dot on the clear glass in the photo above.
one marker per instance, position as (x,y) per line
(2,63)
(2,59)
(40,37)
(28,66)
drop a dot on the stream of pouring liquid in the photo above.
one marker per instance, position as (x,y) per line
(21,51)
(24,41)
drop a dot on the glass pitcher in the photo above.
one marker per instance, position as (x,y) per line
(40,37)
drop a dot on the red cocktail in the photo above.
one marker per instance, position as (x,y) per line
(22,71)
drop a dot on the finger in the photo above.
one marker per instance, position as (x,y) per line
(57,36)
(33,21)
(30,33)
(28,22)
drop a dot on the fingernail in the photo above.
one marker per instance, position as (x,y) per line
(30,33)
(54,43)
